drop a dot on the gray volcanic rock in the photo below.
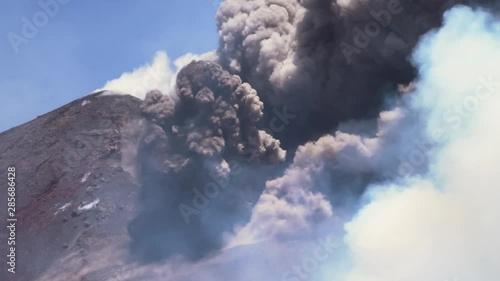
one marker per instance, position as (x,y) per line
(76,185)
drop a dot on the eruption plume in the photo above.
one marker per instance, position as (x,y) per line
(394,138)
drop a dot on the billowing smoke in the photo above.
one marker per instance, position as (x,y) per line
(430,172)
(441,226)
(401,151)
(326,60)
(215,116)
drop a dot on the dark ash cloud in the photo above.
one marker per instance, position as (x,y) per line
(200,138)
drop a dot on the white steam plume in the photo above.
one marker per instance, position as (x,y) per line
(160,74)
(443,225)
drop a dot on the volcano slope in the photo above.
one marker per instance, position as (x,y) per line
(75,184)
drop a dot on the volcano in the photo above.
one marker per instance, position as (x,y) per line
(76,184)
(322,140)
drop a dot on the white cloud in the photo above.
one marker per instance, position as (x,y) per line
(444,225)
(160,74)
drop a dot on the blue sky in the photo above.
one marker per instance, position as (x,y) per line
(86,43)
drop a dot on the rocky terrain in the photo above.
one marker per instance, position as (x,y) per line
(76,184)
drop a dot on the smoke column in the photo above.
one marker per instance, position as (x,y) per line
(160,74)
(398,154)
(431,204)
(194,147)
